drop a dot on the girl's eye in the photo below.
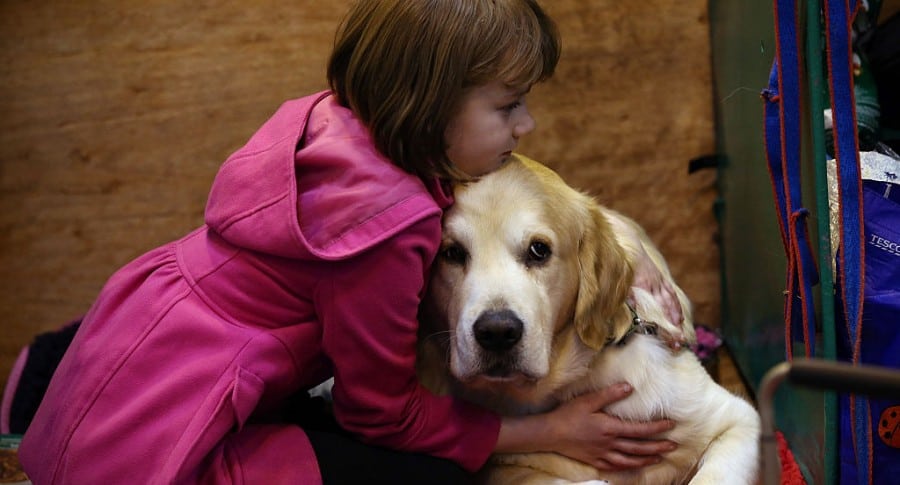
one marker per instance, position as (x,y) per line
(538,252)
(455,254)
(510,107)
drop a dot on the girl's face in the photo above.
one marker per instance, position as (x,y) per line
(484,132)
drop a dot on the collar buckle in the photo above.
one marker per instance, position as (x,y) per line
(639,326)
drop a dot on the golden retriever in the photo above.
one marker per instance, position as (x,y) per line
(528,306)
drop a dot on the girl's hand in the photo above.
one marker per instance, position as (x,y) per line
(581,430)
(648,277)
(589,435)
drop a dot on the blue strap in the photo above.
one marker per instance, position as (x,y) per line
(783,146)
(839,17)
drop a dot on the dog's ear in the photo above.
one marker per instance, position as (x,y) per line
(605,279)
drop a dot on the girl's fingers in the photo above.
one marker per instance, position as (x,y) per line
(644,430)
(598,400)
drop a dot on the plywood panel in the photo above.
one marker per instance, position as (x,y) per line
(629,107)
(117,114)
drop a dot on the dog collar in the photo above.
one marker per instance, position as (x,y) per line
(639,326)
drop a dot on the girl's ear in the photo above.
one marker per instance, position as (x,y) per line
(604,281)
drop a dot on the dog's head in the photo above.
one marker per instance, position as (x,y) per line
(525,259)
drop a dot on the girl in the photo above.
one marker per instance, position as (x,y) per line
(318,238)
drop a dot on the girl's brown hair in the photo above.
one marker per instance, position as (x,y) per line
(403,65)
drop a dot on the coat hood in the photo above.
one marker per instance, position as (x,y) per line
(310,184)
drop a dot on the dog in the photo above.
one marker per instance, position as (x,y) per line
(531,304)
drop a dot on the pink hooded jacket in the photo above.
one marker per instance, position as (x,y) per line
(312,263)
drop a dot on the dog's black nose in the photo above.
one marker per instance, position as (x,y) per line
(497,331)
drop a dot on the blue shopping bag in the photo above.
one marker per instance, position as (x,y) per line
(869,438)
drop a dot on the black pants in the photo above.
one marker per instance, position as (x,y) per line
(344,460)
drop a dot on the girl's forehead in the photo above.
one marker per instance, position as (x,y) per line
(500,89)
(520,89)
(493,91)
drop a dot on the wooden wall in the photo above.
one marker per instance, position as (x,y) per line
(117,114)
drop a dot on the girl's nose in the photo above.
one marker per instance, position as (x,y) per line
(524,124)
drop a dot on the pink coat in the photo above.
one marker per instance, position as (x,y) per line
(311,264)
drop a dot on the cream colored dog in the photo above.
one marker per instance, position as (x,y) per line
(527,309)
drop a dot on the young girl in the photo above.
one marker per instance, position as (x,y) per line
(315,253)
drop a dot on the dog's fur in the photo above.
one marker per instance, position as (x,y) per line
(519,245)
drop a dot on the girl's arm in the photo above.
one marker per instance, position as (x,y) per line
(368,309)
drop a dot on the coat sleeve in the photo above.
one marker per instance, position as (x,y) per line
(368,311)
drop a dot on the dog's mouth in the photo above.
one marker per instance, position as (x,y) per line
(497,371)
(490,371)
(491,380)
(501,373)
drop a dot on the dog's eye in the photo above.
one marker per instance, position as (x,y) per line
(538,252)
(455,254)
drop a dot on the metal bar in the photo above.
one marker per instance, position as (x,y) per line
(817,374)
